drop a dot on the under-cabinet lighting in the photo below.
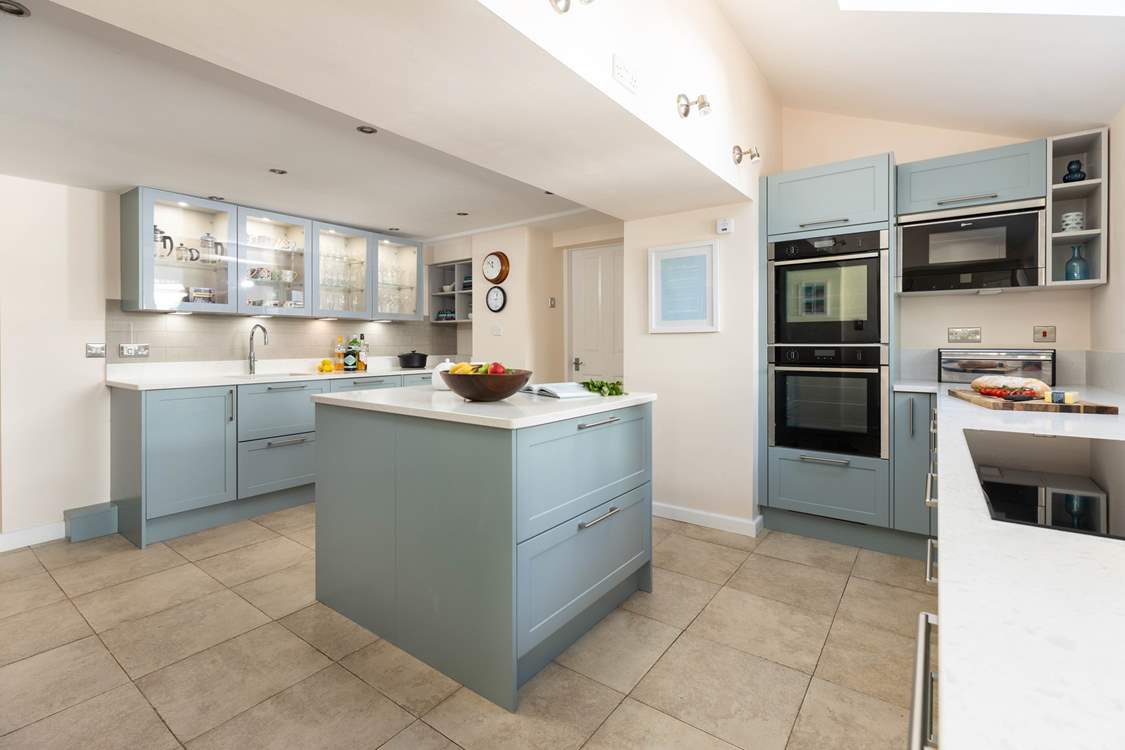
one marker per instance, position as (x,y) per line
(392,229)
(180,312)
(182,204)
(332,231)
(327,318)
(1011,7)
(261,316)
(382,321)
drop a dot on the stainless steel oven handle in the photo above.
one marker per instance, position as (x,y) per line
(826,259)
(931,555)
(963,198)
(922,735)
(864,370)
(822,222)
(828,461)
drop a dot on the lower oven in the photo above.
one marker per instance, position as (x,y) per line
(834,399)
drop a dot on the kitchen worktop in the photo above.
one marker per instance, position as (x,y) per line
(1030,620)
(513,413)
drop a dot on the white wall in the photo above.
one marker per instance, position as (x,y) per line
(600,234)
(1108,303)
(59,251)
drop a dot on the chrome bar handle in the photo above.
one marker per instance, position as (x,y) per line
(587,524)
(931,555)
(230,404)
(820,222)
(591,425)
(922,735)
(283,443)
(299,387)
(910,418)
(828,461)
(368,381)
(963,198)
(931,501)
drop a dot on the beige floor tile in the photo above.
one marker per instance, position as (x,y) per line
(740,698)
(835,718)
(152,642)
(220,539)
(635,726)
(38,630)
(207,689)
(247,563)
(558,709)
(328,630)
(29,592)
(886,607)
(620,649)
(305,536)
(61,552)
(667,525)
(117,567)
(331,709)
(412,684)
(764,627)
(51,681)
(120,719)
(284,592)
(419,736)
(675,599)
(659,535)
(809,551)
(893,571)
(18,563)
(703,560)
(717,536)
(873,661)
(290,519)
(815,589)
(132,600)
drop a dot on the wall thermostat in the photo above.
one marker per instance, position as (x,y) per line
(724,226)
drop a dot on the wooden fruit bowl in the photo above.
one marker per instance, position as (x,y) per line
(486,387)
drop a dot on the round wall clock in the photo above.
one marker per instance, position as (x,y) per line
(496,298)
(495,267)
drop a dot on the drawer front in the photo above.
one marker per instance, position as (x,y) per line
(995,175)
(423,378)
(824,485)
(272,410)
(567,468)
(562,571)
(842,194)
(365,384)
(276,464)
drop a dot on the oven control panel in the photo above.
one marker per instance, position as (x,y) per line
(838,356)
(836,244)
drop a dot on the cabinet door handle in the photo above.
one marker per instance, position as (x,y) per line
(591,425)
(230,404)
(963,198)
(827,461)
(818,222)
(931,555)
(367,382)
(286,387)
(922,735)
(587,524)
(283,443)
(931,501)
(910,418)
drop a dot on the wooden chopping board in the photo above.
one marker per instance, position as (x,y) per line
(993,402)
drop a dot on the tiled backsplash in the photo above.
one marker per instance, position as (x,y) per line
(186,338)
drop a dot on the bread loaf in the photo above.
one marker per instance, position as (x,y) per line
(1003,384)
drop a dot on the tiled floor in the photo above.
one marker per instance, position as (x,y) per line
(215,641)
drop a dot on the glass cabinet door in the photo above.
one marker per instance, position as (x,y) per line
(187,248)
(342,270)
(398,275)
(274,263)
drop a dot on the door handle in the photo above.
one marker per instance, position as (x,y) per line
(922,735)
(590,425)
(577,364)
(818,222)
(230,404)
(283,443)
(286,387)
(910,417)
(587,524)
(931,501)
(931,555)
(963,198)
(368,381)
(828,461)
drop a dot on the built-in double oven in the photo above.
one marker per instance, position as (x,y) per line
(828,331)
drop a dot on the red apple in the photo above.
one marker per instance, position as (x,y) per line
(496,369)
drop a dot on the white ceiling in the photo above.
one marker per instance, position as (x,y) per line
(1019,75)
(90,105)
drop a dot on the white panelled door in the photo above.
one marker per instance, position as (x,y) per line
(596,309)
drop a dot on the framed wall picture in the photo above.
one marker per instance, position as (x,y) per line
(683,288)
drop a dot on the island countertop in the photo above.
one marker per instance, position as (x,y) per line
(513,413)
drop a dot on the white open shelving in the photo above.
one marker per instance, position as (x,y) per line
(1089,196)
(459,275)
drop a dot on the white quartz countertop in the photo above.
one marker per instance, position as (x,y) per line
(1031,622)
(164,382)
(917,386)
(513,413)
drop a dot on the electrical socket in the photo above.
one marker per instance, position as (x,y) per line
(95,351)
(132,351)
(964,335)
(1043,334)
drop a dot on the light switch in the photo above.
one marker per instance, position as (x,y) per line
(95,351)
(964,335)
(1043,333)
(552,303)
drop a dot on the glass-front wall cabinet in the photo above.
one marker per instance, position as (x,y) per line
(178,254)
(342,270)
(398,280)
(274,263)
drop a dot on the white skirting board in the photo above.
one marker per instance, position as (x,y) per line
(748,526)
(34,535)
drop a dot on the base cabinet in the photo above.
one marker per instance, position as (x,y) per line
(911,462)
(851,488)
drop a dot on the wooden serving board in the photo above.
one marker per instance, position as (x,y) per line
(993,402)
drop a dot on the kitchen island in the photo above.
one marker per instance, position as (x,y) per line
(482,538)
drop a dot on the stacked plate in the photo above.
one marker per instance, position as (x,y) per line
(1073,221)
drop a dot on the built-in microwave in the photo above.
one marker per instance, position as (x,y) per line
(994,247)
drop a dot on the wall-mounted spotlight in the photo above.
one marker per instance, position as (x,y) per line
(562,6)
(684,105)
(738,152)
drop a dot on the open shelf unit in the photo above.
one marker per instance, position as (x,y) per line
(458,276)
(1089,196)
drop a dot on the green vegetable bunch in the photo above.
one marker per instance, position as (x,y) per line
(604,387)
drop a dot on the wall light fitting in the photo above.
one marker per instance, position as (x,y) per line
(684,105)
(275,170)
(462,213)
(738,152)
(367,130)
(12,8)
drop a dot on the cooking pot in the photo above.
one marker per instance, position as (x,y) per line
(412,360)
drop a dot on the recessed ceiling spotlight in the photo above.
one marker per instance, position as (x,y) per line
(275,170)
(392,229)
(12,8)
(547,192)
(462,213)
(367,130)
(215,198)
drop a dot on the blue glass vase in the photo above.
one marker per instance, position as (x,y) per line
(1076,268)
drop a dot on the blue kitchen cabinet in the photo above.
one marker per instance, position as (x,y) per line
(177,253)
(276,464)
(343,271)
(911,461)
(398,279)
(422,378)
(190,445)
(830,196)
(275,253)
(268,410)
(344,385)
(851,488)
(978,178)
